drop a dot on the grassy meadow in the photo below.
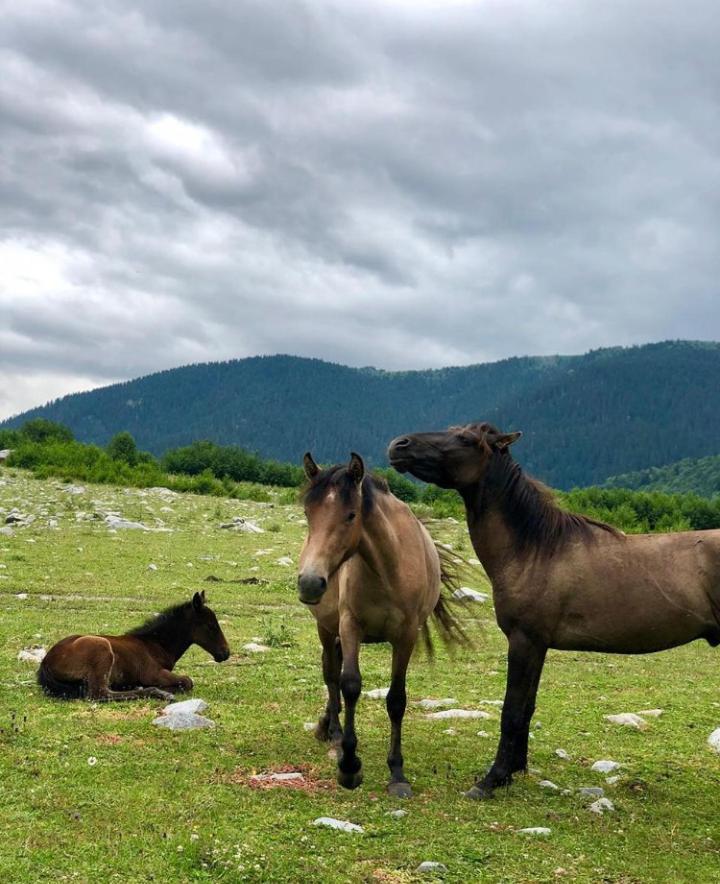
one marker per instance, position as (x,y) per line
(95,792)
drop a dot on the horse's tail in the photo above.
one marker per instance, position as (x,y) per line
(446,621)
(54,687)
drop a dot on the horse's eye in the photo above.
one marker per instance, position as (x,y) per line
(351,517)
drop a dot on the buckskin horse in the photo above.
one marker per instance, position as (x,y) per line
(136,664)
(370,572)
(562,580)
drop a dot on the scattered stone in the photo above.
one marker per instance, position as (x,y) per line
(152,567)
(21,595)
(437,704)
(612,780)
(651,713)
(429,867)
(458,713)
(376,693)
(451,732)
(496,703)
(293,776)
(605,766)
(482,734)
(245,525)
(340,825)
(714,740)
(31,655)
(117,523)
(547,784)
(561,753)
(601,805)
(627,719)
(309,725)
(6,531)
(592,791)
(75,489)
(183,721)
(397,814)
(195,705)
(466,594)
(285,561)
(52,523)
(535,830)
(255,648)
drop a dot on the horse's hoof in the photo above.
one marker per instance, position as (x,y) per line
(165,695)
(321,732)
(400,790)
(350,781)
(479,793)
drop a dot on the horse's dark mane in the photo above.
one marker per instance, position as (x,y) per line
(531,510)
(341,480)
(162,623)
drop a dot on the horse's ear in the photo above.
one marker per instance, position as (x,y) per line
(356,467)
(504,440)
(311,468)
(198,600)
(202,596)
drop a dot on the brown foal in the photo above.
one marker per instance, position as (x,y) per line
(136,664)
(370,572)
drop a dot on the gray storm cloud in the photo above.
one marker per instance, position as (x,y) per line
(404,184)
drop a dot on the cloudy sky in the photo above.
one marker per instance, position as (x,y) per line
(402,183)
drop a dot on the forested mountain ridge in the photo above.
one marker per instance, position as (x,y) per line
(585,418)
(699,476)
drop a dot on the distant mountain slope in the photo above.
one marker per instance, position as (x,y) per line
(701,476)
(585,417)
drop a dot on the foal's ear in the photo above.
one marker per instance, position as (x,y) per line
(311,468)
(504,440)
(356,467)
(198,600)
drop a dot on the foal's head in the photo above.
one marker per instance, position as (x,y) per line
(205,630)
(453,458)
(334,511)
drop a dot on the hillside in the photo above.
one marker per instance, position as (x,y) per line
(700,476)
(585,418)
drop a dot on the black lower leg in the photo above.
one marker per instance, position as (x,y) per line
(396,703)
(349,764)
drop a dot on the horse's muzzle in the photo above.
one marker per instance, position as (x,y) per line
(311,588)
(223,655)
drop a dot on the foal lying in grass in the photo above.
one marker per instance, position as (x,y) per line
(136,664)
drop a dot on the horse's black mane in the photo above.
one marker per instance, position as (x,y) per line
(165,621)
(531,510)
(340,479)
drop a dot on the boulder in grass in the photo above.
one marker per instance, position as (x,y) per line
(605,766)
(714,740)
(458,713)
(255,648)
(467,594)
(535,830)
(196,705)
(32,655)
(341,825)
(548,784)
(436,704)
(376,693)
(627,719)
(601,806)
(183,721)
(430,867)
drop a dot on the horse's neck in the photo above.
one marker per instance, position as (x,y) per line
(167,647)
(379,541)
(492,538)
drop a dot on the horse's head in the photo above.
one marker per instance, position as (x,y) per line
(333,507)
(205,629)
(454,458)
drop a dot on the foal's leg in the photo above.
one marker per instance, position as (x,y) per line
(328,728)
(349,765)
(396,702)
(98,680)
(164,678)
(525,662)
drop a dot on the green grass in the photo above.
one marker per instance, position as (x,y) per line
(162,806)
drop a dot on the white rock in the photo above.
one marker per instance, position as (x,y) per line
(376,693)
(451,732)
(714,740)
(74,489)
(458,713)
(152,567)
(195,705)
(466,594)
(612,780)
(21,595)
(340,825)
(482,734)
(6,531)
(255,648)
(436,704)
(601,805)
(627,719)
(31,655)
(115,523)
(430,866)
(285,561)
(397,814)
(592,791)
(547,784)
(245,525)
(651,713)
(534,830)
(605,766)
(183,721)
(497,703)
(309,725)
(561,753)
(283,777)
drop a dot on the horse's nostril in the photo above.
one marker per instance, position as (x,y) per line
(401,443)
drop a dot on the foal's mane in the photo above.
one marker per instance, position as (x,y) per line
(161,623)
(339,479)
(531,510)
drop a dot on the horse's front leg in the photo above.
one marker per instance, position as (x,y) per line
(349,765)
(396,702)
(164,678)
(328,728)
(525,662)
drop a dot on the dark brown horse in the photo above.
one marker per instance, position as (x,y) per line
(370,572)
(562,580)
(136,664)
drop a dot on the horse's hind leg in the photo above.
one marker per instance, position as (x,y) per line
(328,728)
(396,702)
(349,765)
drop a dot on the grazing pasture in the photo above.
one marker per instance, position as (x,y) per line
(96,792)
